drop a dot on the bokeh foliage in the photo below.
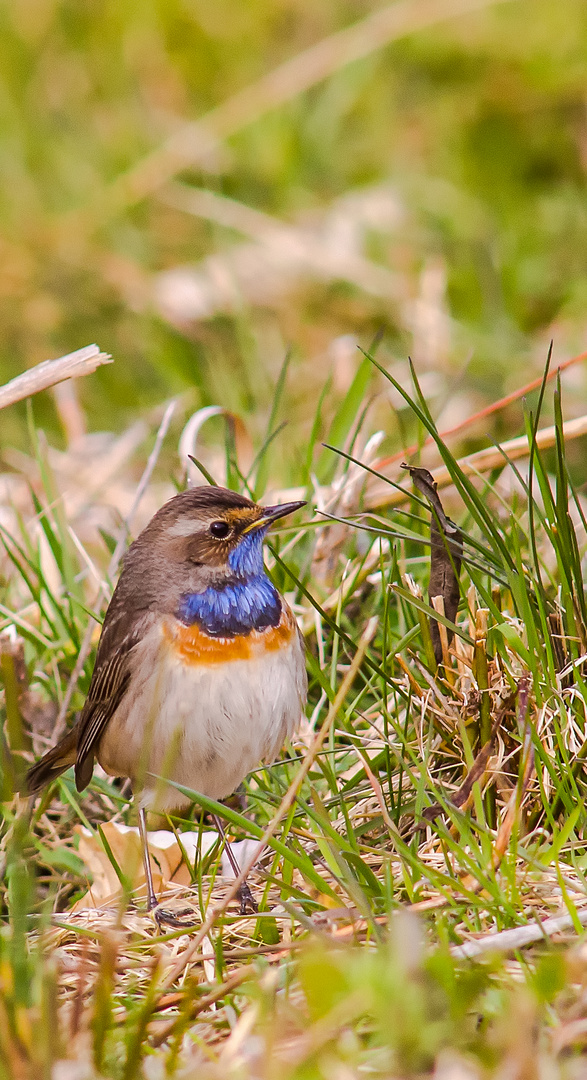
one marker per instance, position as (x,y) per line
(478,122)
(478,125)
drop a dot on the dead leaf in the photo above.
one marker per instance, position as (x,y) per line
(167,863)
(446,550)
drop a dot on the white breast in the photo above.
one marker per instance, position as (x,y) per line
(205,726)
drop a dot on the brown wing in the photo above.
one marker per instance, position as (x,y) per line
(109,684)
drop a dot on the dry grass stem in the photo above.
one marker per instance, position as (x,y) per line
(378,493)
(482,414)
(41,377)
(519,937)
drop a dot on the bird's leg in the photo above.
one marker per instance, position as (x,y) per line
(152,901)
(161,915)
(247,901)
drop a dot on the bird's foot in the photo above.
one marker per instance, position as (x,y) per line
(247,901)
(181,918)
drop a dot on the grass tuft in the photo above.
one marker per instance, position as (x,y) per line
(432,801)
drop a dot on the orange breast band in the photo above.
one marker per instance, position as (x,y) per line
(194,646)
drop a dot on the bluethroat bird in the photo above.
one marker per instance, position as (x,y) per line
(200,672)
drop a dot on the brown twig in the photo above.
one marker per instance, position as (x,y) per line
(233,981)
(477,770)
(378,493)
(482,414)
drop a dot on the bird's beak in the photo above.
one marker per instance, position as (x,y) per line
(273,513)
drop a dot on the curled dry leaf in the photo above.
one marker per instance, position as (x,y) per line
(446,549)
(188,445)
(167,862)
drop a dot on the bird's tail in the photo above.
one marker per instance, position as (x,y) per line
(52,764)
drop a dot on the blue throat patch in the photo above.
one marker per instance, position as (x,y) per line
(248,601)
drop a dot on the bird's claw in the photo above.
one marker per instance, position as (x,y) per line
(247,901)
(183,919)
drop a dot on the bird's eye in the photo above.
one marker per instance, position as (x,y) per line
(220,529)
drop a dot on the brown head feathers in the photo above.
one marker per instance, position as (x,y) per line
(199,528)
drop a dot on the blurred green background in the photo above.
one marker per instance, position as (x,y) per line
(434,189)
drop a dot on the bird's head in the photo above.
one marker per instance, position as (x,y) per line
(214,531)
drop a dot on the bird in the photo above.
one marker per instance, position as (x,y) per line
(200,670)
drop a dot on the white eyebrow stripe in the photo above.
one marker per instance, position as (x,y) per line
(185,527)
